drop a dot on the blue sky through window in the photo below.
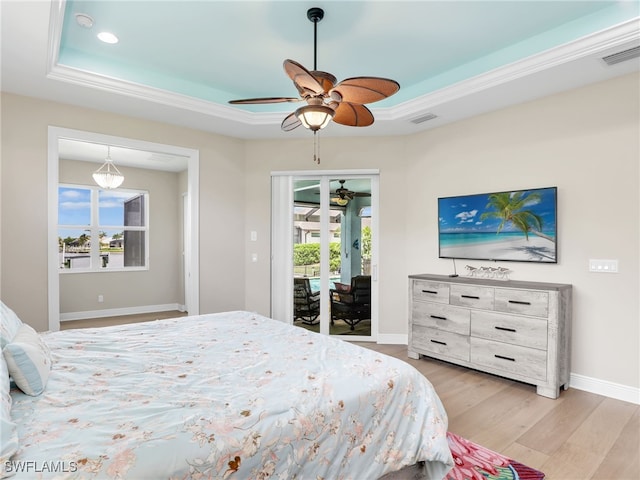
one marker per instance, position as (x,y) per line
(74,206)
(111,206)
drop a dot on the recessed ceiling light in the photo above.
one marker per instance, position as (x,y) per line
(108,37)
(84,20)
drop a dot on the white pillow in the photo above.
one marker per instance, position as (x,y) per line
(9,324)
(29,360)
(8,431)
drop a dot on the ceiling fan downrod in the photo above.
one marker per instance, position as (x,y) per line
(315,14)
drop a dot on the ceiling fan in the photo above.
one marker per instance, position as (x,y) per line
(343,195)
(343,102)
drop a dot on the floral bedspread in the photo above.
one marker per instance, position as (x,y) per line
(231,395)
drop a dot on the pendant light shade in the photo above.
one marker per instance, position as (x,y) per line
(108,176)
(315,117)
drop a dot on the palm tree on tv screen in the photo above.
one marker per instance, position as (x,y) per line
(511,207)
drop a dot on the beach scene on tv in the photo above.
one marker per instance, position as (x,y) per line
(512,226)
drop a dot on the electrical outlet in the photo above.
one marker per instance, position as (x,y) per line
(603,266)
(100,298)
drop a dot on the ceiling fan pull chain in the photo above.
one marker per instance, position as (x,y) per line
(316,148)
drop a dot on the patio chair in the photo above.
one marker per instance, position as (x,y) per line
(354,305)
(306,303)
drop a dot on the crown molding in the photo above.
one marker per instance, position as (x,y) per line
(589,45)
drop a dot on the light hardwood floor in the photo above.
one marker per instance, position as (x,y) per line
(579,436)
(120,320)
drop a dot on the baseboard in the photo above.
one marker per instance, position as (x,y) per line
(579,382)
(116,312)
(393,339)
(605,388)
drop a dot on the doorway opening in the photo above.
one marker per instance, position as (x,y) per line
(332,255)
(61,144)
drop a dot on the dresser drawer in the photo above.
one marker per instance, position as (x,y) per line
(472,296)
(524,331)
(437,341)
(527,362)
(525,302)
(431,291)
(441,316)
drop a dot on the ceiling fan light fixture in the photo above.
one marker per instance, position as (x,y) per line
(342,201)
(108,176)
(315,117)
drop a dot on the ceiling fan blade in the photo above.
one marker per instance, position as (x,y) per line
(325,79)
(303,79)
(265,100)
(366,89)
(353,115)
(290,122)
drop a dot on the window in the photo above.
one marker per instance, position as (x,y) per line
(102,230)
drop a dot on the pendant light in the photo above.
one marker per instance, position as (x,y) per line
(108,176)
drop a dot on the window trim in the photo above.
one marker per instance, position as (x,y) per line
(94,227)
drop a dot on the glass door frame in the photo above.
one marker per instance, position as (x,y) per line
(282,244)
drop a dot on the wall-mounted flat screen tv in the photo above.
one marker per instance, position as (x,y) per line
(517,226)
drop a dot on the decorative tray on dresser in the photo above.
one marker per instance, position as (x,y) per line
(519,330)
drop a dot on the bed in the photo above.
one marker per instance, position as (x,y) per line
(228,395)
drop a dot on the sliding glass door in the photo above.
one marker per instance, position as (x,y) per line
(332,254)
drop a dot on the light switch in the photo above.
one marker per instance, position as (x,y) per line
(603,266)
(254,235)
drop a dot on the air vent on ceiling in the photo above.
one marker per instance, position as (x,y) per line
(424,118)
(622,56)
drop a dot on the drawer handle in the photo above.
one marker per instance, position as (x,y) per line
(430,291)
(470,296)
(505,329)
(437,317)
(517,302)
(439,342)
(505,358)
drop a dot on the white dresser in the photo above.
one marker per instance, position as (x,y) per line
(519,330)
